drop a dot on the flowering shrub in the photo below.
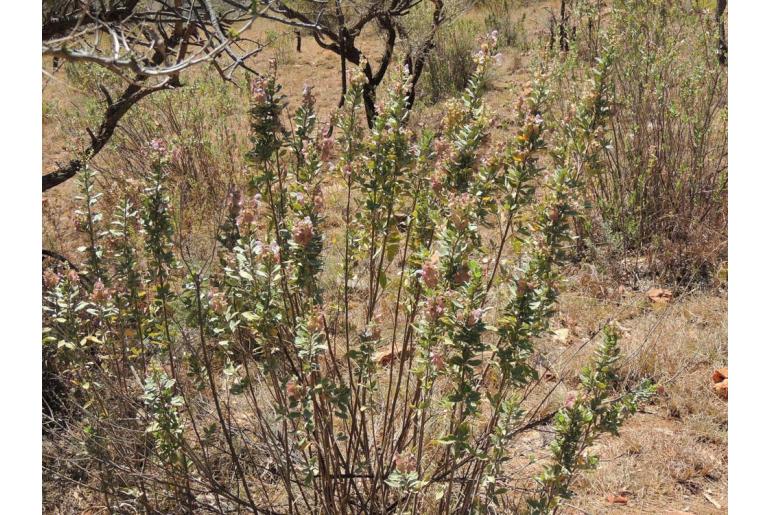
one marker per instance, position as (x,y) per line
(247,380)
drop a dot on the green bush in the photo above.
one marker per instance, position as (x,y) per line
(239,380)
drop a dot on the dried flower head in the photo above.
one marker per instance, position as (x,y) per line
(315,323)
(459,210)
(405,462)
(293,390)
(462,275)
(437,360)
(100,293)
(436,306)
(50,279)
(326,147)
(430,272)
(73,276)
(217,301)
(302,233)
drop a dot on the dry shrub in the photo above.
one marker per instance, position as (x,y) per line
(661,189)
(450,64)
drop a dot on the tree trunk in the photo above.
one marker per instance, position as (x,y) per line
(722,44)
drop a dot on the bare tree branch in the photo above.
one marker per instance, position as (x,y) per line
(147,47)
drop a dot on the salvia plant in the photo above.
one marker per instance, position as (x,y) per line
(371,356)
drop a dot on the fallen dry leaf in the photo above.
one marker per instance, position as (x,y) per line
(617,499)
(719,375)
(562,335)
(721,389)
(385,357)
(659,295)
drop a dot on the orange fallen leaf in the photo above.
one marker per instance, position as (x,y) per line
(719,375)
(385,357)
(721,389)
(617,499)
(659,295)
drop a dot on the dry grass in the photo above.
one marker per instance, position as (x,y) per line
(673,455)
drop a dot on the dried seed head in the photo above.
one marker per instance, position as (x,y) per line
(315,323)
(50,279)
(462,275)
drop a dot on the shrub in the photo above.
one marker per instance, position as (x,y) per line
(499,17)
(241,380)
(660,189)
(206,134)
(450,64)
(283,45)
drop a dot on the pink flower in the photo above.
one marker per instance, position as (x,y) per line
(318,201)
(429,272)
(302,233)
(437,360)
(100,293)
(570,399)
(436,307)
(405,462)
(327,144)
(273,253)
(475,316)
(50,279)
(159,145)
(73,277)
(258,93)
